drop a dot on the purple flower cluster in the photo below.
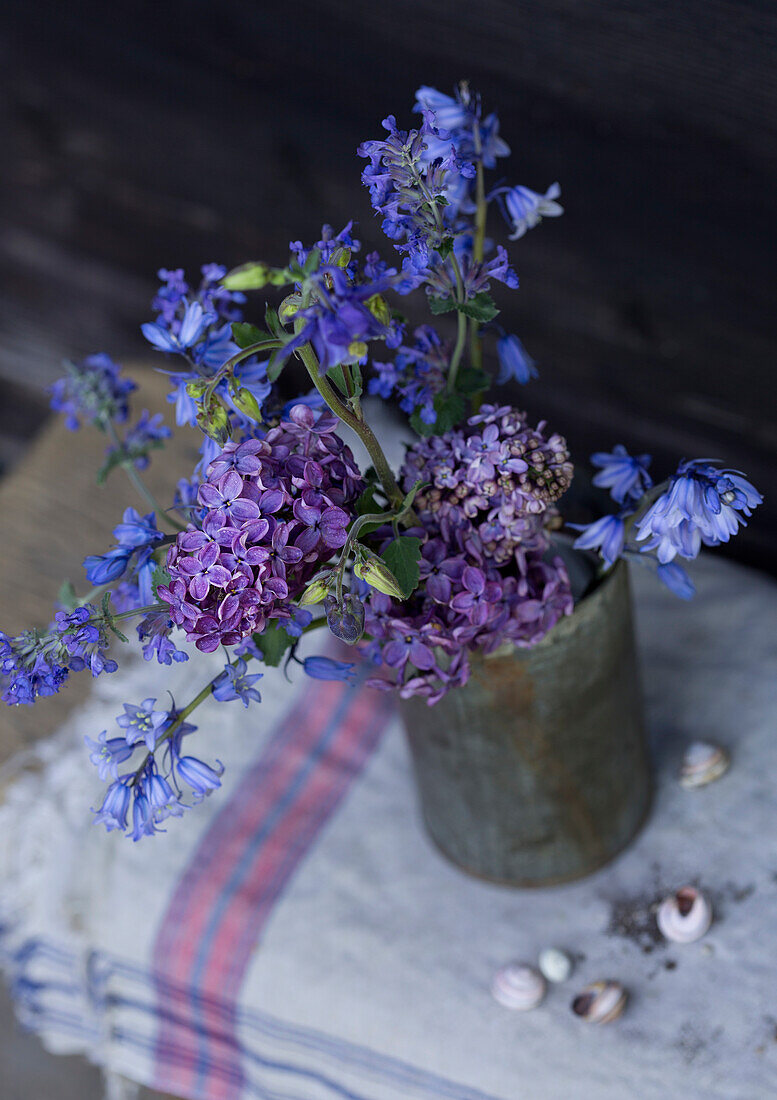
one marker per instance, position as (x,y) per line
(417,374)
(92,391)
(36,663)
(465,603)
(487,491)
(497,477)
(413,191)
(276,509)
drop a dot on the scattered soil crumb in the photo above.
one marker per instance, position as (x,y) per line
(635,919)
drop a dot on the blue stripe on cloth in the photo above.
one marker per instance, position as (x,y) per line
(301,1042)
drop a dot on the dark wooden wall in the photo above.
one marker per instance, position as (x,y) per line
(135,135)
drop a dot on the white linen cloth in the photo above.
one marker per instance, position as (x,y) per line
(349,960)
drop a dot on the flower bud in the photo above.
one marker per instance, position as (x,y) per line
(288,308)
(315,591)
(245,401)
(379,308)
(376,573)
(252,276)
(346,620)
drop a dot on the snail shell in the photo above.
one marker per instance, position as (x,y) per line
(600,1002)
(684,916)
(518,987)
(703,763)
(555,964)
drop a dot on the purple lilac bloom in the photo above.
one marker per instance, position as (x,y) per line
(417,374)
(497,476)
(625,475)
(92,391)
(515,363)
(274,510)
(235,683)
(489,490)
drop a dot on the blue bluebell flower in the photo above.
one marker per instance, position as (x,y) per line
(106,754)
(201,777)
(676,580)
(142,723)
(325,668)
(235,683)
(625,475)
(702,505)
(116,803)
(515,363)
(606,535)
(104,568)
(525,208)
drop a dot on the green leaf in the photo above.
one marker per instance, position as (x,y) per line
(441,305)
(159,576)
(401,556)
(445,247)
(337,375)
(245,335)
(450,408)
(366,502)
(481,307)
(273,322)
(410,497)
(273,643)
(275,365)
(471,381)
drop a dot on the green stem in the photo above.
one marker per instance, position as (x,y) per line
(129,468)
(355,422)
(481,211)
(461,339)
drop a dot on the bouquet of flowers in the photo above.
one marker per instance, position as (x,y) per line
(277,531)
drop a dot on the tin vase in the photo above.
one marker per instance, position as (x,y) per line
(536,772)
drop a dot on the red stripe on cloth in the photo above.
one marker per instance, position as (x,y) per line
(300,790)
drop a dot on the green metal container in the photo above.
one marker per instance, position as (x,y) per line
(536,771)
